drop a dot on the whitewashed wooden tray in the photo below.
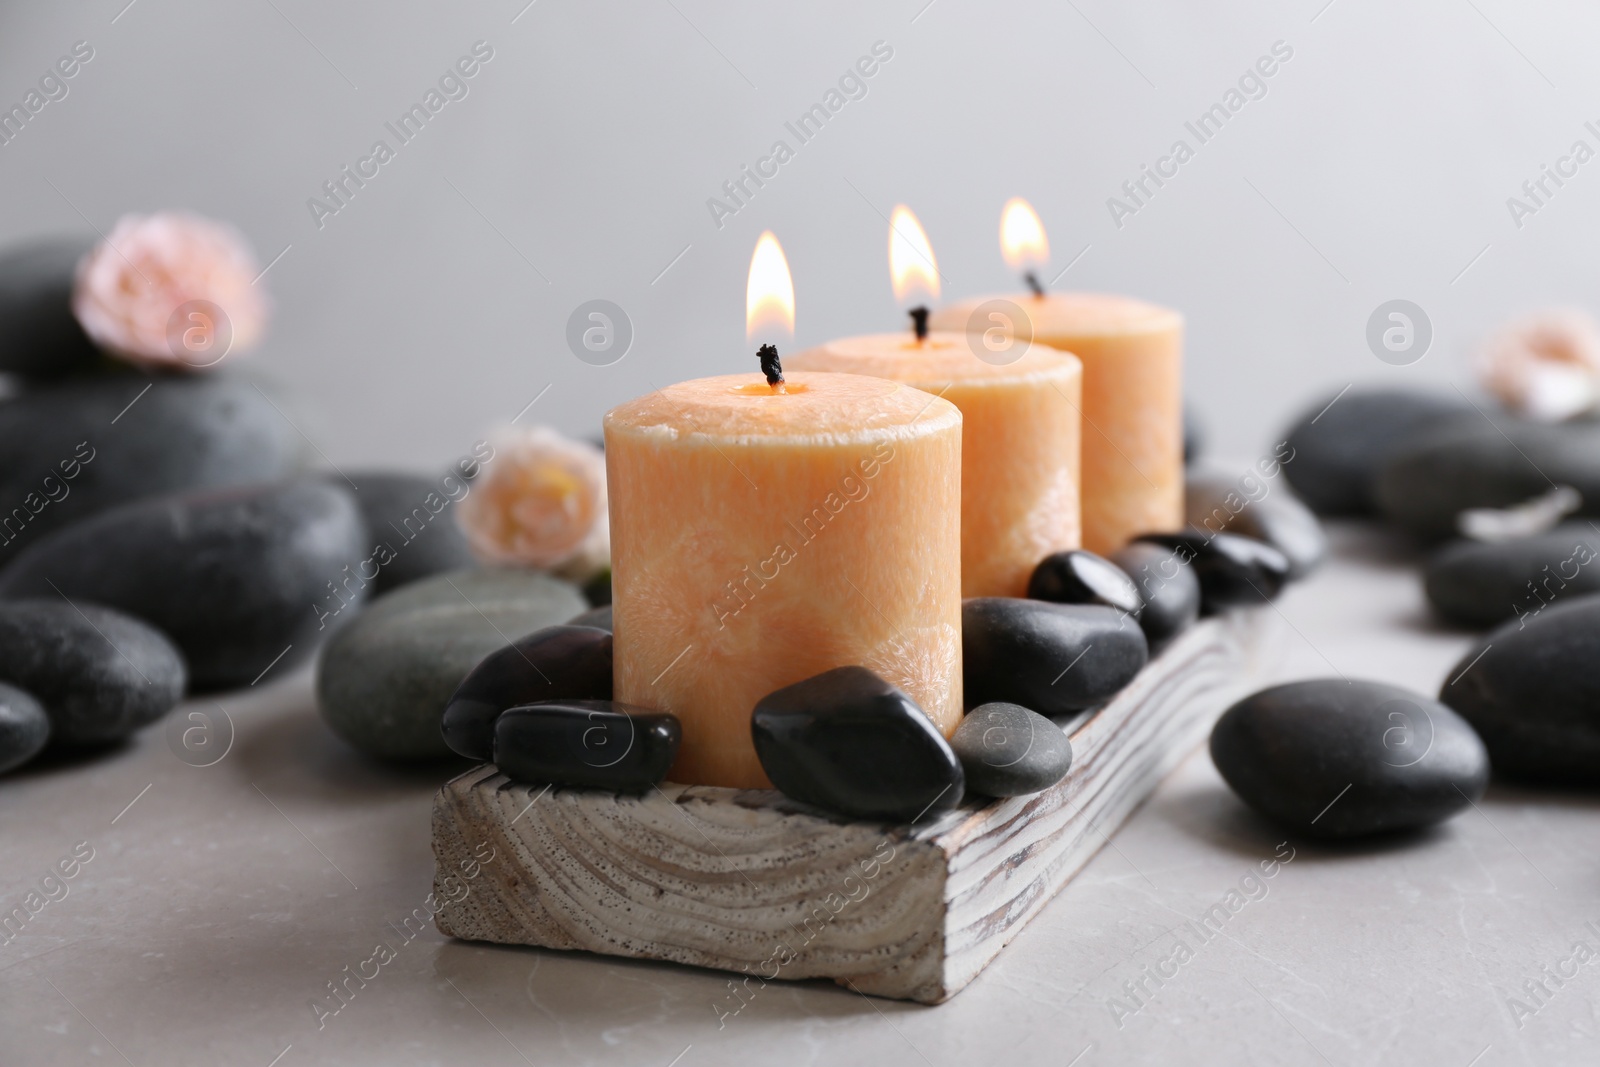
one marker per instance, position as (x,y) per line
(751,882)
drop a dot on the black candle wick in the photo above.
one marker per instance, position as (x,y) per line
(770,364)
(1033,282)
(919,322)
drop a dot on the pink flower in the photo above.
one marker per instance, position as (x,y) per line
(130,288)
(1545,366)
(541,502)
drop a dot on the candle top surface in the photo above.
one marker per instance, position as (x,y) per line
(1080,314)
(945,357)
(814,408)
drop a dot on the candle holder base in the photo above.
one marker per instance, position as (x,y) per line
(751,882)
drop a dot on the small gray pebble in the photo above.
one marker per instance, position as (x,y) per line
(1008,751)
(385,678)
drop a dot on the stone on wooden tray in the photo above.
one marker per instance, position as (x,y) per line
(383,681)
(72,449)
(552,663)
(1169,589)
(1332,757)
(722,878)
(1531,689)
(1053,658)
(1008,751)
(597,744)
(1078,576)
(1339,443)
(24,727)
(99,674)
(1233,570)
(234,576)
(1477,584)
(851,743)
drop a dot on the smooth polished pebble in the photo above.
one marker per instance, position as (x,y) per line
(553,663)
(1053,658)
(1341,441)
(99,674)
(849,742)
(596,744)
(1233,570)
(1332,757)
(1532,691)
(1482,585)
(1424,486)
(233,576)
(1078,576)
(384,679)
(1008,751)
(39,335)
(1169,589)
(75,448)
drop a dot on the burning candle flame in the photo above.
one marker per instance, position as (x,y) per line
(912,268)
(769,295)
(1022,239)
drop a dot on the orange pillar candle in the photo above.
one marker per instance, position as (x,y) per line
(761,537)
(1019,442)
(1132,354)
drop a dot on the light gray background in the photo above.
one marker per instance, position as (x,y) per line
(1377,167)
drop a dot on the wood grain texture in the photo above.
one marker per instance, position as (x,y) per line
(751,882)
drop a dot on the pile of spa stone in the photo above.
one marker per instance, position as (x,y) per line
(159,532)
(850,743)
(1508,512)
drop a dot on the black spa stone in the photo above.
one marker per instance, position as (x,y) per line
(851,743)
(1340,442)
(1053,658)
(74,448)
(1336,758)
(555,663)
(1233,570)
(234,576)
(1424,486)
(1531,688)
(596,744)
(1482,585)
(39,335)
(1080,577)
(1008,751)
(99,674)
(1169,589)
